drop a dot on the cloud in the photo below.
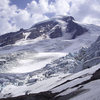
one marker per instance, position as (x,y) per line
(80,9)
(12,18)
(85,9)
(6,13)
(91,20)
(62,7)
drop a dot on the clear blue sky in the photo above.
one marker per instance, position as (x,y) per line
(20,3)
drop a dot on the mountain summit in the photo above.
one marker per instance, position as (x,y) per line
(52,28)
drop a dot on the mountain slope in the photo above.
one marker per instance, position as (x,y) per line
(50,56)
(52,28)
(84,85)
(29,52)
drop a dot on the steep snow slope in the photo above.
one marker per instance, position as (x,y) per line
(84,85)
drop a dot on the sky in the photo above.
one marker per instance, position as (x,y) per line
(20,3)
(16,14)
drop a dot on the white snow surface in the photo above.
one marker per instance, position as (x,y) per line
(34,61)
(36,54)
(41,51)
(92,94)
(58,79)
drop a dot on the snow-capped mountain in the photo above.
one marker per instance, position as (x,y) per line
(53,28)
(57,59)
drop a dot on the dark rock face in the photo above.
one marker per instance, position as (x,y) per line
(68,18)
(73,27)
(52,28)
(2,62)
(41,28)
(56,33)
(39,96)
(78,30)
(11,38)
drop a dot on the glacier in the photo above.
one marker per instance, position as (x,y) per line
(58,57)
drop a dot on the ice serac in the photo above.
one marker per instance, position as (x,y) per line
(91,56)
(51,27)
(84,85)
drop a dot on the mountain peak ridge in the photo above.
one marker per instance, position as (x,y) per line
(45,27)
